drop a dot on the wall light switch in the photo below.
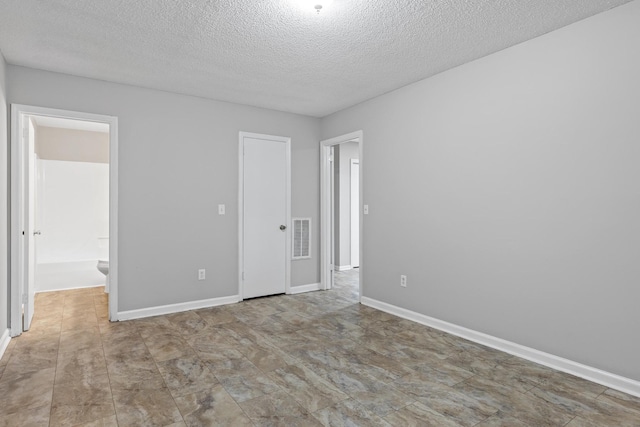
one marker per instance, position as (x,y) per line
(366,209)
(220,209)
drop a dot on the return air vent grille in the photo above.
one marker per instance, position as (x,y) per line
(301,238)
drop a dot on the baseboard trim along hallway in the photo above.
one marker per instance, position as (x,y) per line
(176,308)
(305,288)
(599,376)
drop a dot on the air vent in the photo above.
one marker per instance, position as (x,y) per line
(301,238)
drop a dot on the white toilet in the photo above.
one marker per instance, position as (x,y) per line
(103,261)
(103,267)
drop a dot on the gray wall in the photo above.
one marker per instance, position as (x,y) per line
(4,196)
(178,160)
(343,154)
(508,191)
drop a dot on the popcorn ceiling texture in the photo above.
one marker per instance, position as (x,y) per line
(273,53)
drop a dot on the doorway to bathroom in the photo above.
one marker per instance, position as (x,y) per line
(63,215)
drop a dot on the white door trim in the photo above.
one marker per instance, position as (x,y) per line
(287,141)
(17,252)
(354,258)
(326,203)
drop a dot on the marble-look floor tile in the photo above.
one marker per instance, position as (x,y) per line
(187,322)
(135,370)
(149,407)
(214,340)
(419,415)
(186,375)
(82,365)
(168,346)
(76,323)
(442,372)
(216,316)
(525,407)
(26,391)
(111,421)
(565,399)
(615,397)
(119,343)
(230,367)
(502,420)
(149,326)
(373,394)
(243,388)
(277,409)
(214,407)
(76,340)
(348,413)
(307,388)
(28,417)
(114,328)
(318,357)
(27,359)
(572,385)
(266,356)
(528,370)
(440,398)
(81,401)
(379,366)
(601,420)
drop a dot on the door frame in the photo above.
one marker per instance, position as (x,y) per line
(326,237)
(354,215)
(17,245)
(287,142)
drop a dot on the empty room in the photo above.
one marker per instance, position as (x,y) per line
(319,213)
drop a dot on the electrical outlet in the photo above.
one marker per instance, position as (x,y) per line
(201,274)
(403,280)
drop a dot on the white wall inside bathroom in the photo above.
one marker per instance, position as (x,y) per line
(72,213)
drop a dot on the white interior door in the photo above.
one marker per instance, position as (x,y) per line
(355,213)
(265,215)
(30,230)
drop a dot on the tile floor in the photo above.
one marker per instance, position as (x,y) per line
(306,360)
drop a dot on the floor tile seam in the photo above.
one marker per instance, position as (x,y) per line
(580,399)
(600,394)
(55,374)
(113,401)
(570,421)
(239,403)
(166,386)
(555,406)
(487,418)
(480,375)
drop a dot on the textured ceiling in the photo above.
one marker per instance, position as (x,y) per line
(273,53)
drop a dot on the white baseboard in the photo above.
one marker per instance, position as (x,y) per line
(614,381)
(68,289)
(4,342)
(176,308)
(343,267)
(305,288)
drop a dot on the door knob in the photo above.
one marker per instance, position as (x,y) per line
(283,227)
(37,233)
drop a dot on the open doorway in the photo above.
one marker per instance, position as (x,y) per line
(341,209)
(63,216)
